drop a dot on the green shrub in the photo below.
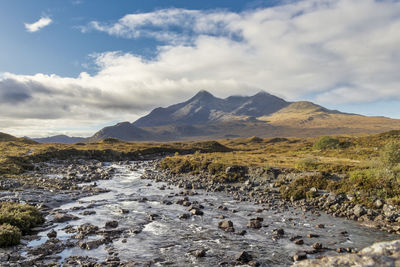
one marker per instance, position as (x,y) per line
(22,216)
(9,235)
(326,142)
(390,154)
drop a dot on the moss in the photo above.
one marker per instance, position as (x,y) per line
(9,235)
(22,216)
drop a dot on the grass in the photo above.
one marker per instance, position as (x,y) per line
(361,157)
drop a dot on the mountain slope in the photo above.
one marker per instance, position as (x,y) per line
(207,117)
(205,108)
(64,139)
(123,131)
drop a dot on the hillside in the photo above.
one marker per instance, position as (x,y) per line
(205,116)
(64,139)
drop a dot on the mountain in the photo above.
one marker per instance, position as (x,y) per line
(205,116)
(123,131)
(205,108)
(64,139)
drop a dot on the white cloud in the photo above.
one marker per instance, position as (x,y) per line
(340,51)
(41,23)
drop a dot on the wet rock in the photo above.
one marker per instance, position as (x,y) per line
(52,234)
(88,212)
(255,223)
(123,211)
(243,257)
(310,235)
(153,217)
(225,224)
(111,224)
(299,242)
(242,232)
(196,211)
(379,254)
(86,229)
(298,256)
(317,246)
(63,217)
(200,253)
(89,245)
(184,216)
(320,226)
(278,232)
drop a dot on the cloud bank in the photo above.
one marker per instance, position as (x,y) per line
(36,26)
(329,51)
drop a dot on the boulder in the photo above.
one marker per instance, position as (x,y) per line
(111,224)
(243,257)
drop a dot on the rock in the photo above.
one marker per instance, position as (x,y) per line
(388,210)
(52,234)
(123,211)
(320,226)
(64,217)
(153,216)
(299,242)
(317,246)
(199,253)
(254,223)
(243,257)
(298,256)
(312,235)
(359,210)
(241,170)
(184,216)
(88,212)
(379,254)
(278,232)
(111,224)
(89,245)
(225,224)
(196,211)
(242,232)
(378,204)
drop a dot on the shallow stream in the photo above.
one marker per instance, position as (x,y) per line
(169,240)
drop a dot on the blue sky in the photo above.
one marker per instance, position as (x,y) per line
(63,49)
(79,65)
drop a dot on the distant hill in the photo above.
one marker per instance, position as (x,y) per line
(205,116)
(9,138)
(64,139)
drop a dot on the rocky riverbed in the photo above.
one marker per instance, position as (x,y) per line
(131,214)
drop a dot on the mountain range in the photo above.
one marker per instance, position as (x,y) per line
(205,116)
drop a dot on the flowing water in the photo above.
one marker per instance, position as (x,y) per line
(169,240)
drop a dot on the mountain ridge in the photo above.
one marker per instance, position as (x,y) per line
(205,117)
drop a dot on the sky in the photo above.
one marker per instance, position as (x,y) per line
(75,66)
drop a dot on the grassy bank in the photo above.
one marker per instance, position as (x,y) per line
(369,165)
